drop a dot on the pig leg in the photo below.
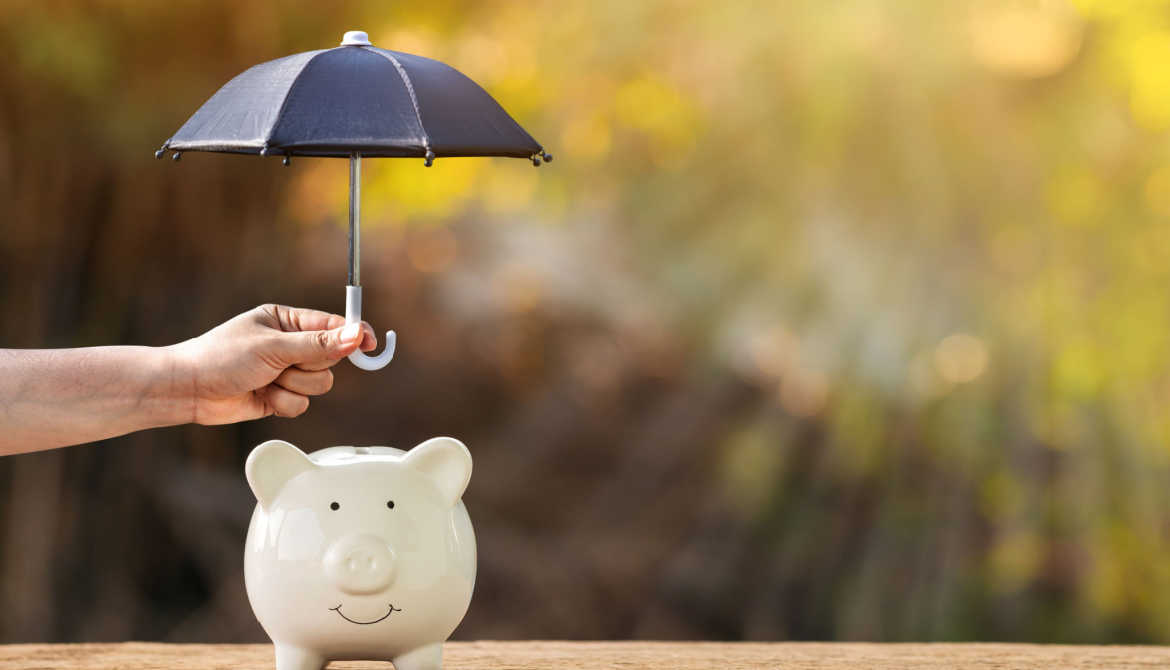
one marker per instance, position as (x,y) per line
(295,658)
(429,657)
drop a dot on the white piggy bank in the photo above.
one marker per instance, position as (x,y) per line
(359,553)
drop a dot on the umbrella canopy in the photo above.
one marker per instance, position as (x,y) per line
(354,99)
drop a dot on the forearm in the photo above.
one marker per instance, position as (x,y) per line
(57,397)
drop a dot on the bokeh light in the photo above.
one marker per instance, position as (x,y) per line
(830,320)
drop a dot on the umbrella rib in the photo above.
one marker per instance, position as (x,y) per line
(409,89)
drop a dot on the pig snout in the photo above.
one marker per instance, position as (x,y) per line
(360,564)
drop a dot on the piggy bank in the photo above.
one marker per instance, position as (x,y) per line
(359,553)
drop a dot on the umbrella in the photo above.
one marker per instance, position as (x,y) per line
(352,101)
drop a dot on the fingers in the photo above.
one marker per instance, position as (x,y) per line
(282,402)
(369,338)
(305,382)
(369,342)
(315,366)
(296,319)
(288,395)
(310,339)
(314,349)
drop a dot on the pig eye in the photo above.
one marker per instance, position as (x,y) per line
(334,506)
(390,504)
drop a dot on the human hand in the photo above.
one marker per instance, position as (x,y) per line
(266,361)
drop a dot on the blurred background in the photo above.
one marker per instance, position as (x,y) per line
(830,321)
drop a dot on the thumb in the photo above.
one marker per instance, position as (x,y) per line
(317,345)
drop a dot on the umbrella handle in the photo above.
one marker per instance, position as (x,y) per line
(353,314)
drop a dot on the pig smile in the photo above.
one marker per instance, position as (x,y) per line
(365,623)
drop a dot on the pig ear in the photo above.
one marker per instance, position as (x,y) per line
(271,465)
(446,462)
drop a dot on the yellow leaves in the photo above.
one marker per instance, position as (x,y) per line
(1157,191)
(1118,9)
(1027,40)
(1107,588)
(415,39)
(657,112)
(587,138)
(665,116)
(648,103)
(1077,370)
(1076,196)
(1149,249)
(1150,80)
(1015,559)
(396,191)
(1128,575)
(1133,49)
(402,189)
(486,59)
(509,189)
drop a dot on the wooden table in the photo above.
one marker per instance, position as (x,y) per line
(621,655)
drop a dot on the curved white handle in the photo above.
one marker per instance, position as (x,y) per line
(353,314)
(378,362)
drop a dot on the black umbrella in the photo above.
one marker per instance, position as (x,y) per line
(347,102)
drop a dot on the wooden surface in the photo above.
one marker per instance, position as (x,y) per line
(623,655)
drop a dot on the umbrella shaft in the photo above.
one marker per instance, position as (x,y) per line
(355,196)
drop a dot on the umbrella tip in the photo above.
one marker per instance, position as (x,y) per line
(355,38)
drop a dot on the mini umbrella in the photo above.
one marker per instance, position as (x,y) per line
(352,101)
